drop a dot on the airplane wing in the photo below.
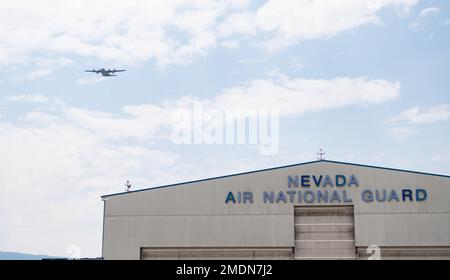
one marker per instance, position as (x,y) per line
(114,71)
(91,71)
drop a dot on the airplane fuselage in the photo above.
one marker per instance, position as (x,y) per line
(105,73)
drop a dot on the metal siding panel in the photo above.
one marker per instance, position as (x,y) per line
(403,229)
(216,253)
(120,239)
(324,232)
(375,223)
(126,235)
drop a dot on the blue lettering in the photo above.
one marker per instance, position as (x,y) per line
(291,196)
(230,197)
(305,181)
(248,196)
(407,193)
(322,196)
(293,181)
(423,195)
(268,197)
(281,196)
(367,196)
(345,198)
(335,197)
(317,182)
(340,180)
(377,196)
(328,181)
(393,196)
(353,181)
(309,196)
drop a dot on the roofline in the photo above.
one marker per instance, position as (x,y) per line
(274,168)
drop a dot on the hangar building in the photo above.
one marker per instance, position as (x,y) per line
(315,210)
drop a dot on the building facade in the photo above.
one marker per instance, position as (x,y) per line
(314,210)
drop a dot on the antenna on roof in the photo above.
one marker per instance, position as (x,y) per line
(128,185)
(321,155)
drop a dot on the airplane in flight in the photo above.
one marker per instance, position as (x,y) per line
(104,72)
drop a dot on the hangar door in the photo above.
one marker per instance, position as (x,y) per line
(215,253)
(324,232)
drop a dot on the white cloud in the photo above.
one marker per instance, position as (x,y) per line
(296,64)
(443,156)
(403,125)
(142,122)
(425,13)
(50,103)
(130,32)
(28,98)
(61,160)
(89,81)
(230,44)
(302,20)
(41,67)
(249,61)
(429,11)
(402,133)
(238,23)
(423,115)
(169,31)
(288,95)
(40,118)
(52,181)
(299,96)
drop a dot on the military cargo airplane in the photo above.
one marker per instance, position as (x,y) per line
(104,72)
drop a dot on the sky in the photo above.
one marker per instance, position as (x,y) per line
(365,80)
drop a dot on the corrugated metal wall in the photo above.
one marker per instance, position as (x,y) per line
(195,214)
(323,232)
(216,253)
